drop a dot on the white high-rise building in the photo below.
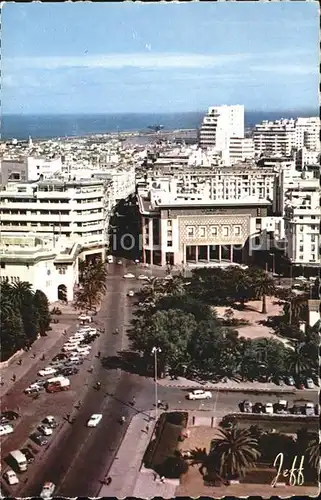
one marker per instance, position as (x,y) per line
(220,124)
(307,133)
(275,137)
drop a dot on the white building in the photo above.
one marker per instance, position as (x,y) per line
(189,230)
(48,265)
(240,149)
(304,157)
(72,210)
(29,168)
(275,137)
(302,221)
(220,124)
(307,133)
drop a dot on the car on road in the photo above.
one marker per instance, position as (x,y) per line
(199,394)
(94,420)
(29,456)
(45,429)
(246,406)
(289,380)
(48,490)
(268,407)
(49,370)
(10,415)
(6,429)
(39,438)
(11,477)
(309,383)
(300,278)
(143,277)
(131,293)
(119,262)
(258,408)
(129,275)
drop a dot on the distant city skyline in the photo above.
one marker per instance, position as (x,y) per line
(122,57)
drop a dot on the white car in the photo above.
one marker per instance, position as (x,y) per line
(131,293)
(199,394)
(268,407)
(47,490)
(45,430)
(94,420)
(129,275)
(47,371)
(119,262)
(168,277)
(143,277)
(11,477)
(300,278)
(6,429)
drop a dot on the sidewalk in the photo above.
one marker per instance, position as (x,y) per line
(128,478)
(39,347)
(230,385)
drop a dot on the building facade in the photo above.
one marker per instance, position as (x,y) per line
(220,124)
(275,137)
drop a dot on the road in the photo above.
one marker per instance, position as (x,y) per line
(77,457)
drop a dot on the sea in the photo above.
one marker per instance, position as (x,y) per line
(79,125)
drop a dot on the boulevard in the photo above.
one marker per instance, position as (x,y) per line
(77,458)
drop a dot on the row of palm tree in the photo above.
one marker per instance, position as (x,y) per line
(24,314)
(92,284)
(236,450)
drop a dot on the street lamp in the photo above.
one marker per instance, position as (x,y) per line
(156,350)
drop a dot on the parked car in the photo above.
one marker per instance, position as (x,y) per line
(317,409)
(60,357)
(258,408)
(72,370)
(278,381)
(45,429)
(32,390)
(309,383)
(39,438)
(120,262)
(296,410)
(10,415)
(300,383)
(11,477)
(268,407)
(309,409)
(6,429)
(4,420)
(131,293)
(47,371)
(29,456)
(143,277)
(281,406)
(199,394)
(94,420)
(129,275)
(289,380)
(50,421)
(246,406)
(48,490)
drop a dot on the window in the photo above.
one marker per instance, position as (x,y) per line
(169,243)
(226,231)
(214,230)
(202,231)
(237,230)
(313,217)
(169,223)
(258,221)
(169,233)
(3,266)
(301,248)
(300,216)
(190,231)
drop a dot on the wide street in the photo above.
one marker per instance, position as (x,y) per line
(78,458)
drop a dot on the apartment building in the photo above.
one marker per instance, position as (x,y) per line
(72,210)
(275,137)
(28,168)
(188,231)
(240,149)
(302,221)
(220,124)
(48,265)
(305,157)
(307,133)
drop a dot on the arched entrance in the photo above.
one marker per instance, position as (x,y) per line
(62,293)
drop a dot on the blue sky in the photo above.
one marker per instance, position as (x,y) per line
(129,57)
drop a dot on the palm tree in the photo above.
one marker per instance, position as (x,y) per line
(207,462)
(313,453)
(175,286)
(237,451)
(21,292)
(296,360)
(296,309)
(263,287)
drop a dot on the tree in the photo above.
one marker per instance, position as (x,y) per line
(237,451)
(271,355)
(92,280)
(262,286)
(313,453)
(296,310)
(169,330)
(42,306)
(297,361)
